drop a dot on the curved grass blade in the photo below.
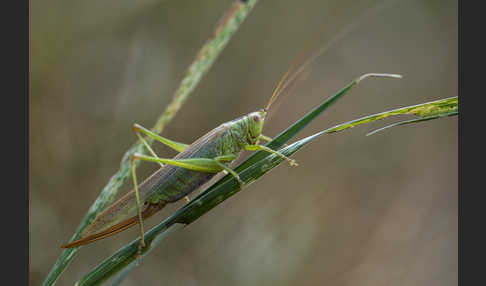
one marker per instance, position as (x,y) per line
(199,67)
(250,170)
(414,121)
(427,111)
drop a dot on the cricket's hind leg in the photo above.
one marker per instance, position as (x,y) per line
(138,130)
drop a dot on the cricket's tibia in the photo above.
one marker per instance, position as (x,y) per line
(119,227)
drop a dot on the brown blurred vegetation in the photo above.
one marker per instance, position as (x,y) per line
(379,210)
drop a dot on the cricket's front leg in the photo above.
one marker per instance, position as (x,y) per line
(268,139)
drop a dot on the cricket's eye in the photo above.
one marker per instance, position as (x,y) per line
(256,118)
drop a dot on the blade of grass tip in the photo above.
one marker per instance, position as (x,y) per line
(217,193)
(367,75)
(203,62)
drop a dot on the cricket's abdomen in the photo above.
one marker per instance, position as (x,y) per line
(179,184)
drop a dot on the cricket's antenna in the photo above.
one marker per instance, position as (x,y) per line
(275,91)
(281,86)
(292,77)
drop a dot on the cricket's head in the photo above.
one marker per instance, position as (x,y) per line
(255,124)
(246,130)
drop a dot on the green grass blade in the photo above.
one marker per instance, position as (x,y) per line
(249,170)
(427,111)
(426,118)
(199,67)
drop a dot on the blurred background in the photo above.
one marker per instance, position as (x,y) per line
(378,210)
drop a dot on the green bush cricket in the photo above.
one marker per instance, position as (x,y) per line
(195,165)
